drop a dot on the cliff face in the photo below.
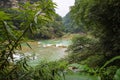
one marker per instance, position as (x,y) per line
(11,3)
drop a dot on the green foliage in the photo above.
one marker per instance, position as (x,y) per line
(81,49)
(9,42)
(81,68)
(117,75)
(43,71)
(6,16)
(107,73)
(48,71)
(102,19)
(51,30)
(107,14)
(40,13)
(13,70)
(70,26)
(110,61)
(79,12)
(37,14)
(31,17)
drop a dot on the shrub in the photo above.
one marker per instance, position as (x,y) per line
(81,48)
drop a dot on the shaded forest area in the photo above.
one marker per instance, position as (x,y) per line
(95,49)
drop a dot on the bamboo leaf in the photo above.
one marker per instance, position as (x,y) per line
(9,31)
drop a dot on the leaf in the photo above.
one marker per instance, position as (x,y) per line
(23,76)
(4,16)
(29,45)
(117,75)
(111,60)
(9,31)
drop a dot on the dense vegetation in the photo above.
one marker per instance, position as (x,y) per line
(101,18)
(95,52)
(27,12)
(15,26)
(70,26)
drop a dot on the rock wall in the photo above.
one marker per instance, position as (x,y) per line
(11,3)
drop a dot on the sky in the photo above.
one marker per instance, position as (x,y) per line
(63,6)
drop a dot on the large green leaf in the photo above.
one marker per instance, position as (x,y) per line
(117,75)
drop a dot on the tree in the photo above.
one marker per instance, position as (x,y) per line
(51,30)
(11,39)
(102,18)
(71,26)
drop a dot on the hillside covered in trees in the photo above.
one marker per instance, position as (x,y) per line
(70,26)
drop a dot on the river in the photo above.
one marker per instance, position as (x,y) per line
(51,50)
(48,50)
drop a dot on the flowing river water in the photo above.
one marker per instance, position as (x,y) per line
(51,50)
(48,50)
